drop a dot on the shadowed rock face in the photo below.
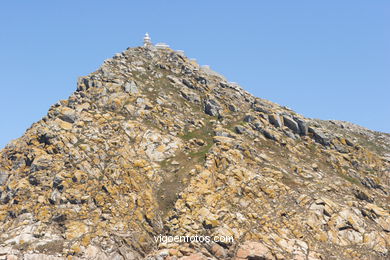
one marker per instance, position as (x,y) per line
(151,144)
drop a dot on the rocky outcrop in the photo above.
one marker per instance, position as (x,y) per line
(274,119)
(319,136)
(212,107)
(290,123)
(152,145)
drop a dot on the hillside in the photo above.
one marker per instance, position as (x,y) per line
(152,144)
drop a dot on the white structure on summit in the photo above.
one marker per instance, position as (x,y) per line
(148,43)
(147,40)
(162,45)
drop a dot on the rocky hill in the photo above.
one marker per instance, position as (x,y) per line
(153,145)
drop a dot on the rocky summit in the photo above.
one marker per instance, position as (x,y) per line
(152,150)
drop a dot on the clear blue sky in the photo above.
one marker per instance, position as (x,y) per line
(324,59)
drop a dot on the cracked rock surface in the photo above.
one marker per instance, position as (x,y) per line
(153,144)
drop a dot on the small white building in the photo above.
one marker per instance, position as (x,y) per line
(147,40)
(162,45)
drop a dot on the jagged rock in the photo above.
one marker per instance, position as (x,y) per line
(134,153)
(319,136)
(303,127)
(274,119)
(290,123)
(212,107)
(82,84)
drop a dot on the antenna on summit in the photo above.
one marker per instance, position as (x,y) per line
(147,40)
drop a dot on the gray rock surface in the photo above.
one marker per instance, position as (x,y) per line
(131,87)
(274,119)
(184,152)
(290,123)
(212,107)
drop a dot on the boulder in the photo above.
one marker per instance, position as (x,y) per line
(274,119)
(290,123)
(303,128)
(212,107)
(319,136)
(83,83)
(269,135)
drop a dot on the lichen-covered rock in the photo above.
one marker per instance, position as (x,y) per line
(153,145)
